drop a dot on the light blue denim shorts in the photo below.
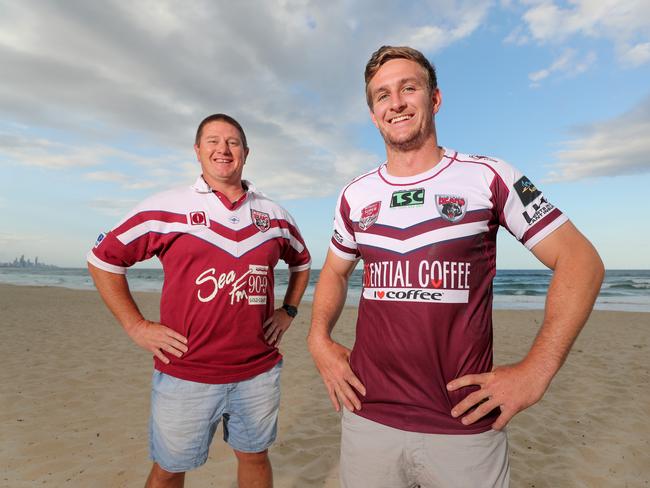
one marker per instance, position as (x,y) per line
(185,415)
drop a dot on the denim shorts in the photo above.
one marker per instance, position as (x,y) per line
(185,415)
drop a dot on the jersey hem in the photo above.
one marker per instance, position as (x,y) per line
(214,379)
(421,430)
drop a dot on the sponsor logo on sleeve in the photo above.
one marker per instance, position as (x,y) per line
(537,211)
(100,238)
(452,208)
(338,237)
(407,198)
(261,220)
(526,190)
(197,218)
(369,215)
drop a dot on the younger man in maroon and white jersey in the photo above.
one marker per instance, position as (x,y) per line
(215,347)
(424,404)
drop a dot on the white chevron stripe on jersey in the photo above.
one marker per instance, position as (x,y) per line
(425,239)
(232,247)
(151,226)
(242,247)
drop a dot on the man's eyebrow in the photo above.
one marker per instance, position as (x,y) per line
(411,79)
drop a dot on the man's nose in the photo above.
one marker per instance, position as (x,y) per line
(223,147)
(397,102)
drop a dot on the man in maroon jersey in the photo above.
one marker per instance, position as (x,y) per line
(423,403)
(215,348)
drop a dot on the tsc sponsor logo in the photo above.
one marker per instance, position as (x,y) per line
(407,198)
(452,208)
(251,285)
(369,215)
(537,211)
(526,190)
(261,220)
(338,237)
(198,218)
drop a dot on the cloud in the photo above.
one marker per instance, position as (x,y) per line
(566,64)
(112,207)
(108,73)
(619,146)
(46,153)
(636,55)
(624,22)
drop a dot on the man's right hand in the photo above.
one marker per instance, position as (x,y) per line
(158,339)
(333,363)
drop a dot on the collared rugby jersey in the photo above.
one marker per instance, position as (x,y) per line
(218,262)
(428,245)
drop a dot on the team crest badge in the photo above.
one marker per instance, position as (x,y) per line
(369,215)
(261,220)
(452,208)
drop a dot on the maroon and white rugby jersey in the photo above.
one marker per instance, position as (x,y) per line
(428,244)
(218,261)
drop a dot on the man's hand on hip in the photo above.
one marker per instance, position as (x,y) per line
(512,388)
(276,326)
(333,363)
(158,339)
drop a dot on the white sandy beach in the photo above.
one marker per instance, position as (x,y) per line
(75,401)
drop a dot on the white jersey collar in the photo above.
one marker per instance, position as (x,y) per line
(201,186)
(447,156)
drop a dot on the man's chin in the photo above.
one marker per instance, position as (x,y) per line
(406,144)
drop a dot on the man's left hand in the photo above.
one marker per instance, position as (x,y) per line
(276,326)
(512,388)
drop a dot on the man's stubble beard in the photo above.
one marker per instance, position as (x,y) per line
(414,143)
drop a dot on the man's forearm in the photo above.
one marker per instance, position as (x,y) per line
(329,299)
(298,281)
(114,290)
(571,295)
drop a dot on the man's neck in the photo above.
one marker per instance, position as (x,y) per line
(233,191)
(415,161)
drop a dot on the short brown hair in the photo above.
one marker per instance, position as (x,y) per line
(386,53)
(225,118)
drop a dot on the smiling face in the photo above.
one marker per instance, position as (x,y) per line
(402,105)
(222,154)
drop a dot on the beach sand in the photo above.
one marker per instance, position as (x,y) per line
(75,401)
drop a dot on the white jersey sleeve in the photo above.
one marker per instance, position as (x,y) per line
(343,243)
(523,209)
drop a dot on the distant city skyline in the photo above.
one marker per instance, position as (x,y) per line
(99,102)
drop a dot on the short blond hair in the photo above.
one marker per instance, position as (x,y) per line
(386,53)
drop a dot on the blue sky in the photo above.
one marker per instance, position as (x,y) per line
(99,102)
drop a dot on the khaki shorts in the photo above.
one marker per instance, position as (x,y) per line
(374,455)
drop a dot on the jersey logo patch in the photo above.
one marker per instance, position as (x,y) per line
(407,198)
(197,218)
(261,220)
(484,158)
(369,215)
(526,190)
(100,238)
(452,208)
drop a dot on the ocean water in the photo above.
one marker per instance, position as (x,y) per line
(623,290)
